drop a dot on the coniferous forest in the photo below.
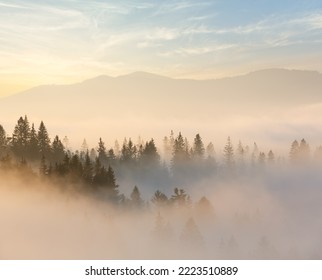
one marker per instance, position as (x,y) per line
(186,199)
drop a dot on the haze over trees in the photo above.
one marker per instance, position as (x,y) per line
(170,183)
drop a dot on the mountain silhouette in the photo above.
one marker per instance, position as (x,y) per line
(144,97)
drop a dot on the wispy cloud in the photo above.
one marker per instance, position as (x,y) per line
(311,21)
(197,50)
(9,5)
(162,33)
(199,35)
(178,6)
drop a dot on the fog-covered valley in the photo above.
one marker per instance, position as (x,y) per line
(136,200)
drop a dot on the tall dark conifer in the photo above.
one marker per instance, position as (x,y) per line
(43,140)
(20,137)
(33,148)
(101,152)
(57,150)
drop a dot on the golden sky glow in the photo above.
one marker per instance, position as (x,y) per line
(68,41)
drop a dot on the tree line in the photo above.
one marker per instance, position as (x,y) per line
(97,169)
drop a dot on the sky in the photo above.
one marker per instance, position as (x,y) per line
(58,42)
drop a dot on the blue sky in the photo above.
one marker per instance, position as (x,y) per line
(68,41)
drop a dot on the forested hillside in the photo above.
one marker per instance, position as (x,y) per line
(185,199)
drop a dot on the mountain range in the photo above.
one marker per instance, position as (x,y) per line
(151,99)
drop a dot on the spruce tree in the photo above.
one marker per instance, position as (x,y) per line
(198,148)
(76,168)
(33,148)
(180,198)
(101,152)
(304,151)
(111,157)
(159,199)
(20,137)
(294,152)
(128,152)
(229,154)
(58,150)
(180,157)
(43,140)
(261,158)
(149,155)
(210,150)
(136,200)
(87,170)
(271,157)
(111,186)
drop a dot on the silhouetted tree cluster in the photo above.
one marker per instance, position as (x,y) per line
(96,169)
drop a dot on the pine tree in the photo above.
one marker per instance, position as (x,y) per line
(136,200)
(271,157)
(87,169)
(159,199)
(20,137)
(128,152)
(111,186)
(92,154)
(229,154)
(33,148)
(179,149)
(75,168)
(294,152)
(180,157)
(58,150)
(241,152)
(255,154)
(84,146)
(304,151)
(111,157)
(100,174)
(198,148)
(149,155)
(261,158)
(43,140)
(101,151)
(210,150)
(63,168)
(180,198)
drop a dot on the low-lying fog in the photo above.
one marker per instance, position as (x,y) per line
(267,215)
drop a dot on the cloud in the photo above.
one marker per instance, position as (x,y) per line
(312,21)
(15,6)
(197,50)
(163,33)
(174,6)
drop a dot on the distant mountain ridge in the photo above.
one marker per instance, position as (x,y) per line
(144,97)
(271,87)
